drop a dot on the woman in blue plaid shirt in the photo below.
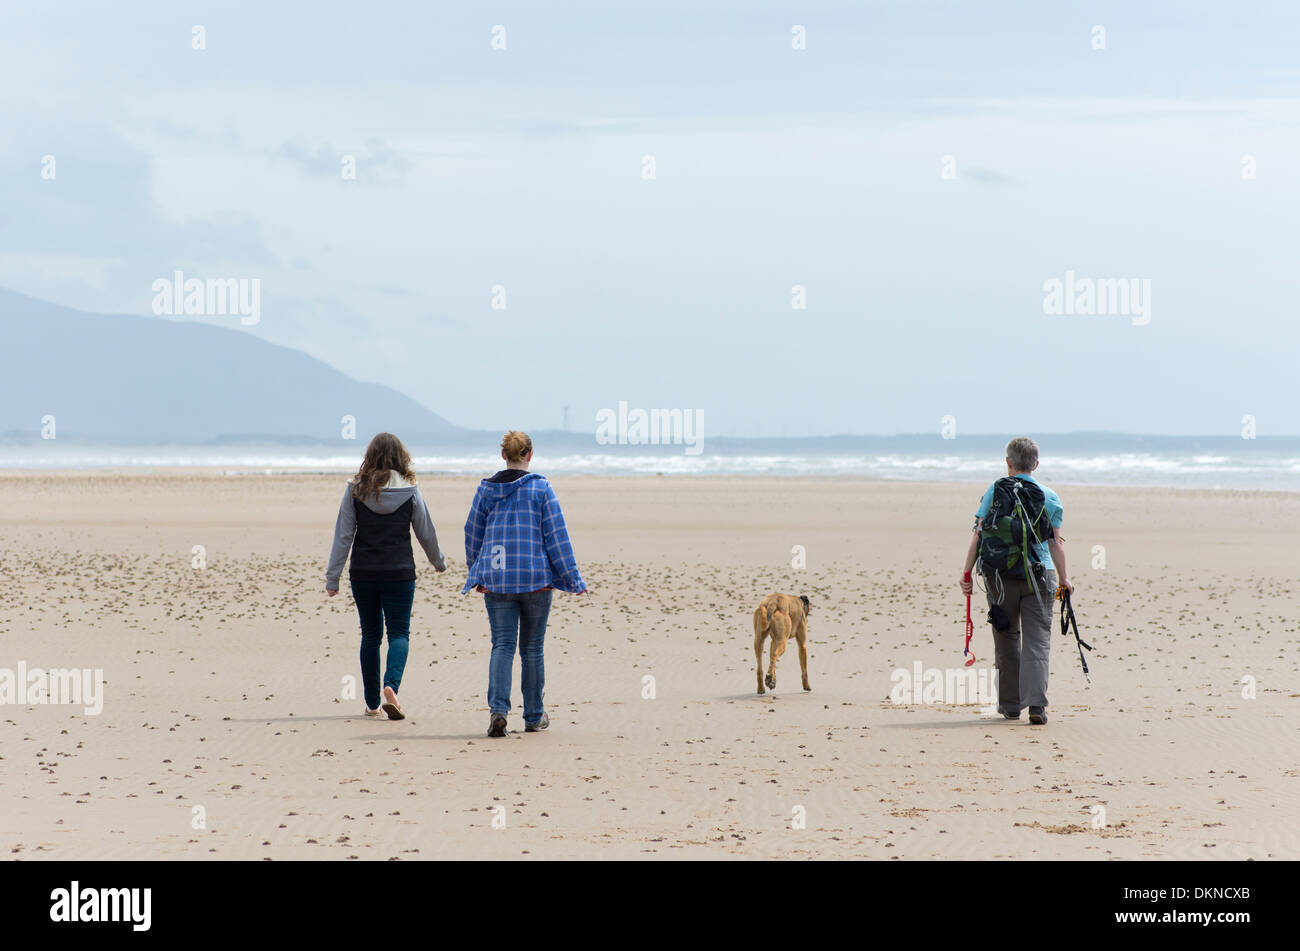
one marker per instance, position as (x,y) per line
(518,551)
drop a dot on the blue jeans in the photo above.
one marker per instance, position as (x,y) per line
(520,617)
(380,604)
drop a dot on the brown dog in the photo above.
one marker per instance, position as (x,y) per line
(779,616)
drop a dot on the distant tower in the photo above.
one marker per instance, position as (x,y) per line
(566,417)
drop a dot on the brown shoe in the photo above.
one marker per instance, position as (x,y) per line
(391,706)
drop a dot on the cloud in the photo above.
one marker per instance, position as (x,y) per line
(987,176)
(95,235)
(325,161)
(100,203)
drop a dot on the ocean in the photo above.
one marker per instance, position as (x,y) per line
(1072,459)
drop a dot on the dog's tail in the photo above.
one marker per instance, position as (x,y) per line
(770,608)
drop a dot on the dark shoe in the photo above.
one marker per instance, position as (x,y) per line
(539,726)
(391,706)
(1037,716)
(497,726)
(1012,716)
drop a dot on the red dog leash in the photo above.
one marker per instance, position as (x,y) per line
(970,627)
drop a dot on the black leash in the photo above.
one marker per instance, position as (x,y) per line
(1067,622)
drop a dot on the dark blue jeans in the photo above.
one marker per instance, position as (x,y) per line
(522,618)
(380,604)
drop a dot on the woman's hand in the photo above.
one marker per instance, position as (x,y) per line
(332,592)
(965,584)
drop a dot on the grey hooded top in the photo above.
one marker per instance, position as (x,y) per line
(391,497)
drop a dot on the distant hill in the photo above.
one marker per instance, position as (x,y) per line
(118,378)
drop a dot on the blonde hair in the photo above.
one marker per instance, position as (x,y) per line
(1022,452)
(516,446)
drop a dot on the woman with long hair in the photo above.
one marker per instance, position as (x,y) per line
(517,549)
(380,507)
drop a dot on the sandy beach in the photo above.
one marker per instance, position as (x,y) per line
(223,684)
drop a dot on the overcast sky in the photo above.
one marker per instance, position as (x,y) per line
(774,167)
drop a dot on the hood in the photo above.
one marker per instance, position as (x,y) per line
(391,497)
(496,491)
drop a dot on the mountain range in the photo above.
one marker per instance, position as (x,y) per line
(123,378)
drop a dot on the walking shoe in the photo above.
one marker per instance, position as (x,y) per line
(1037,716)
(1012,716)
(540,725)
(497,725)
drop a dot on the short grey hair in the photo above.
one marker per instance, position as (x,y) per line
(1022,453)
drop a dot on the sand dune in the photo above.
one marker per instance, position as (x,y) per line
(223,684)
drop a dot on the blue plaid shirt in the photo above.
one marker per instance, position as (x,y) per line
(516,540)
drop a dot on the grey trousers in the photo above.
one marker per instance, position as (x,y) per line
(1021,654)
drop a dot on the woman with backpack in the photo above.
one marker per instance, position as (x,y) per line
(1016,547)
(380,507)
(517,549)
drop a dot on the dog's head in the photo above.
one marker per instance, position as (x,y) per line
(807,608)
